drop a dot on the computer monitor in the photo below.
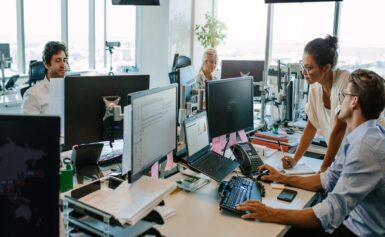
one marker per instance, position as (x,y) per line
(85,117)
(153,126)
(29,175)
(240,68)
(230,105)
(4,49)
(187,81)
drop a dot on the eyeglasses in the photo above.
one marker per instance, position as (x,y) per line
(304,68)
(341,96)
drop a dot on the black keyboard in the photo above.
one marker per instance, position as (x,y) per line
(110,157)
(239,190)
(214,166)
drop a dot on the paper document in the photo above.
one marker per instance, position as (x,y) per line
(299,169)
(129,203)
(56,100)
(165,212)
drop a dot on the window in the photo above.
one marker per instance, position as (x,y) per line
(99,34)
(362,38)
(121,27)
(295,24)
(8,32)
(246,29)
(40,27)
(78,18)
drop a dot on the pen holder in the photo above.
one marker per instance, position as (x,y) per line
(66,178)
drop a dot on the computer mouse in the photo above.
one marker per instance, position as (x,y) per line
(265,172)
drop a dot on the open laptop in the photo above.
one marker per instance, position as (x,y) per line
(29,175)
(199,154)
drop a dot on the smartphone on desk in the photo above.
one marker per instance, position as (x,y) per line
(247,157)
(287,195)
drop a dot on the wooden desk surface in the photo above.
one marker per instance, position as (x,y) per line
(198,214)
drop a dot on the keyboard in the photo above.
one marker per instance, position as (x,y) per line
(214,166)
(239,190)
(110,157)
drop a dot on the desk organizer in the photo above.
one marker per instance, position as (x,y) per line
(81,217)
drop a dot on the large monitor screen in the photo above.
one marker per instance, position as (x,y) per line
(29,175)
(154,121)
(85,117)
(242,68)
(230,105)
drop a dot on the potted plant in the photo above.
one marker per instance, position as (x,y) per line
(212,33)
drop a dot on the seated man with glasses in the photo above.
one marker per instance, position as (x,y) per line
(35,99)
(355,183)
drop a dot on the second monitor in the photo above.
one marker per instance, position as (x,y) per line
(153,126)
(241,68)
(230,105)
(85,117)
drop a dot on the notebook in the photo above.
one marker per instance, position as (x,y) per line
(200,157)
(29,175)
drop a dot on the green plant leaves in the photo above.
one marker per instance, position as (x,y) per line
(212,33)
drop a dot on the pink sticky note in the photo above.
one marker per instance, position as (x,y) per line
(155,170)
(170,162)
(243,136)
(233,139)
(223,142)
(217,145)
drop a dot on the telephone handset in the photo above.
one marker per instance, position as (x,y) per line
(247,157)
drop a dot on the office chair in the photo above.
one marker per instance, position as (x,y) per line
(37,72)
(11,82)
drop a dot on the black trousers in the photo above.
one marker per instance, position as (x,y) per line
(341,231)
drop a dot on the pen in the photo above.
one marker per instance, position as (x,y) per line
(280,147)
(283,153)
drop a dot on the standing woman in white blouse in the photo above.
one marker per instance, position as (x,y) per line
(318,67)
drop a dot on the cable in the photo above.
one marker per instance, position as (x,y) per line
(224,149)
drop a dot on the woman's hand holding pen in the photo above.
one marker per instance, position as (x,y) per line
(288,162)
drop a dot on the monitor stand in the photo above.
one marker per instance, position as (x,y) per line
(85,159)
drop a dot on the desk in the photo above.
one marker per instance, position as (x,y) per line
(12,98)
(198,214)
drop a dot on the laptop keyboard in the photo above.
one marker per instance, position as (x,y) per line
(239,190)
(214,166)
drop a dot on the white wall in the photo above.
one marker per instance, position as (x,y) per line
(152,42)
(165,30)
(181,28)
(201,7)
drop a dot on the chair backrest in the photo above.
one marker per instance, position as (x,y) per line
(36,72)
(11,81)
(23,90)
(174,76)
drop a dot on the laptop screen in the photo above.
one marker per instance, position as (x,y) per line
(197,134)
(29,175)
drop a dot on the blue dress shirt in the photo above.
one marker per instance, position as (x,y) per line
(356,184)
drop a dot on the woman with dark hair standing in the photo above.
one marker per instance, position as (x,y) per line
(326,82)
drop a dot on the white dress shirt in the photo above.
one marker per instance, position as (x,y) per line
(356,184)
(36,98)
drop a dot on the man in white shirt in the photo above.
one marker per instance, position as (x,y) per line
(355,183)
(36,98)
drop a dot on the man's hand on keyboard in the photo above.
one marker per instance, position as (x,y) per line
(257,210)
